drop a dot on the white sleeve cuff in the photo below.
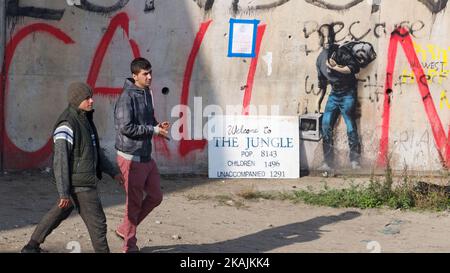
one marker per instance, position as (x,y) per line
(156,130)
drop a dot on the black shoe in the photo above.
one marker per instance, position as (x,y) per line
(30,249)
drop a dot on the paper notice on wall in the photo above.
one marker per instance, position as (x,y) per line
(242,41)
(243,38)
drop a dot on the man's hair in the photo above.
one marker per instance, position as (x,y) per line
(331,35)
(138,64)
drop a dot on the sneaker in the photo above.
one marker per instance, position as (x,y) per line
(30,249)
(324,168)
(355,165)
(119,234)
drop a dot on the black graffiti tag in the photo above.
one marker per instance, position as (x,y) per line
(149,6)
(270,5)
(13,9)
(311,90)
(206,4)
(435,6)
(325,5)
(354,37)
(86,5)
(235,6)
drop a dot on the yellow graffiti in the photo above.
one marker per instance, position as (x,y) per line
(443,100)
(437,53)
(434,61)
(433,76)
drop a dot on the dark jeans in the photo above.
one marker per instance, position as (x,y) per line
(343,103)
(90,209)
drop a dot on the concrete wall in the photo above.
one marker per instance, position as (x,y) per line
(51,43)
(2,53)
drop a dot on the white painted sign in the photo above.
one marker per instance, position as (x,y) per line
(253,147)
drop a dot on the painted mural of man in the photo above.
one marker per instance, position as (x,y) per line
(342,99)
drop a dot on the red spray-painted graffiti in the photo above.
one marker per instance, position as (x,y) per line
(120,20)
(16,157)
(187,146)
(23,159)
(251,72)
(401,36)
(19,159)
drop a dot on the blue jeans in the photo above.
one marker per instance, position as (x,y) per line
(343,103)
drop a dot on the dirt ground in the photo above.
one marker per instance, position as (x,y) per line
(203,215)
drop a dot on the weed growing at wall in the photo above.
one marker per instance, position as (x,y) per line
(408,193)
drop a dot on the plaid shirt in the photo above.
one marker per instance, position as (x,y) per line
(134,119)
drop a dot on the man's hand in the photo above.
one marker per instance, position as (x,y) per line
(64,203)
(119,178)
(164,129)
(164,125)
(164,133)
(331,63)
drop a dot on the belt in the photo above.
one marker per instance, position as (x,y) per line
(343,87)
(135,158)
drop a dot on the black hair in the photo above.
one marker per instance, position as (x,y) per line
(139,64)
(331,34)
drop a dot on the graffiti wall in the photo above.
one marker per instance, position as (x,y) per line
(402,110)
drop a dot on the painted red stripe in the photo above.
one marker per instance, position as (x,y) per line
(120,20)
(191,61)
(447,147)
(135,48)
(430,108)
(187,146)
(252,71)
(403,37)
(16,157)
(384,141)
